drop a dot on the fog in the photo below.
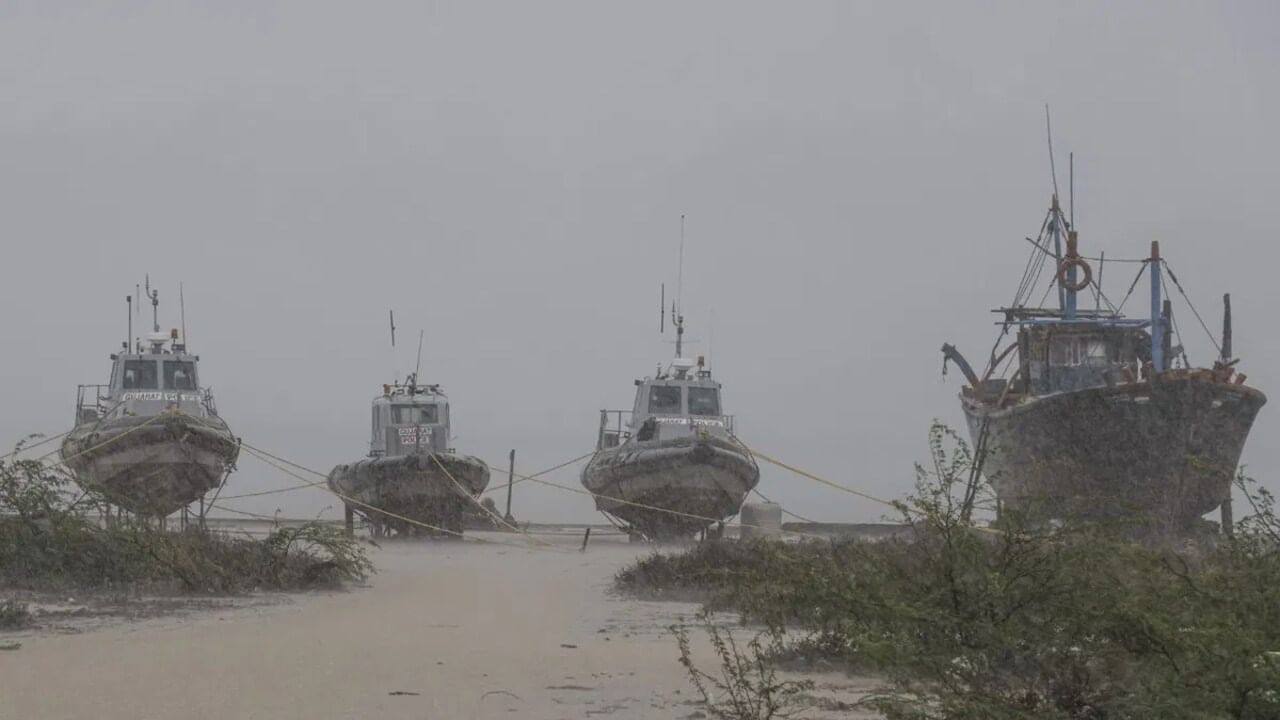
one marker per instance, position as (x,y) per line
(509,177)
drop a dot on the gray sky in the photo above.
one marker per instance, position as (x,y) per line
(858,179)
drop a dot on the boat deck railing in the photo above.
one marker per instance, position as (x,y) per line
(91,402)
(615,427)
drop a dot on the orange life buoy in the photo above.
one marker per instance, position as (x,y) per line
(1082,283)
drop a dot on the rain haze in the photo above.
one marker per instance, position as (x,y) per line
(509,177)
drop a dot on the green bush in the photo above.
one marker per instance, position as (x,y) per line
(13,615)
(963,621)
(49,540)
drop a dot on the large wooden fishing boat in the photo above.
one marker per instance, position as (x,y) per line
(1097,416)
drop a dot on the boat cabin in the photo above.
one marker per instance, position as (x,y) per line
(1061,357)
(1069,348)
(669,405)
(410,419)
(161,378)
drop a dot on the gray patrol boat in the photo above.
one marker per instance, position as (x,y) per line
(150,440)
(671,466)
(412,482)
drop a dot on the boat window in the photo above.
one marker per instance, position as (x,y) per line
(141,375)
(413,414)
(179,375)
(1065,351)
(704,401)
(664,399)
(1096,352)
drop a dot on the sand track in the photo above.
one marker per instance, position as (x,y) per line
(444,630)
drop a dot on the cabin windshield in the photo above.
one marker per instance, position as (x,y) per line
(140,375)
(179,375)
(664,399)
(413,414)
(1076,351)
(704,401)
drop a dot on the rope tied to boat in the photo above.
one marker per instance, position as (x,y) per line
(267,458)
(476,501)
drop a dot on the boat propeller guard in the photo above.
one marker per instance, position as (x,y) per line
(1066,266)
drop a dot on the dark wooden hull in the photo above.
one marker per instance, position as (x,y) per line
(686,484)
(1161,452)
(432,489)
(151,466)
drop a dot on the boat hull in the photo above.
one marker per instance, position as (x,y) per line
(431,489)
(1162,452)
(151,465)
(672,488)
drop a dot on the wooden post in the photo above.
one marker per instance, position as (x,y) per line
(350,518)
(1226,328)
(585,537)
(511,474)
(1228,522)
(1166,317)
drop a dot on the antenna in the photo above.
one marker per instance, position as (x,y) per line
(138,313)
(155,305)
(182,309)
(711,336)
(680,271)
(418,366)
(392,314)
(662,310)
(677,307)
(1053,171)
(128,301)
(1071,188)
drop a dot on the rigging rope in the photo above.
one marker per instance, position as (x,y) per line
(829,483)
(20,448)
(1027,283)
(476,501)
(280,464)
(1177,333)
(898,506)
(1195,312)
(655,508)
(1132,285)
(102,444)
(264,455)
(801,518)
(520,478)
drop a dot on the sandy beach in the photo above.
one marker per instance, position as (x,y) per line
(444,630)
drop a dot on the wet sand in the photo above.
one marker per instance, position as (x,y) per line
(444,630)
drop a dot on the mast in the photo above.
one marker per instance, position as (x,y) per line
(677,308)
(1157,310)
(1056,229)
(678,320)
(1073,256)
